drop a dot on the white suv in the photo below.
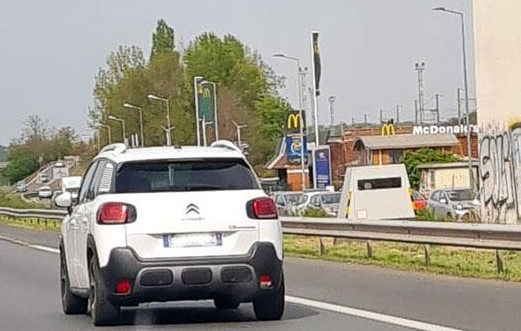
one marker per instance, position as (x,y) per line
(168,224)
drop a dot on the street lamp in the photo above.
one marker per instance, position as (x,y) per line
(168,136)
(114,118)
(465,82)
(109,131)
(300,98)
(216,124)
(239,127)
(129,106)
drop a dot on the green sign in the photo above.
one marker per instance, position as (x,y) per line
(206,102)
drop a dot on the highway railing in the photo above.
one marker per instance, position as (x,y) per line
(474,235)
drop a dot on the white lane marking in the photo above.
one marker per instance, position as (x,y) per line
(408,323)
(46,249)
(37,247)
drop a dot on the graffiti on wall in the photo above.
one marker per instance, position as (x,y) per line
(500,166)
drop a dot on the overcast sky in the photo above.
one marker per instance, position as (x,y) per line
(50,50)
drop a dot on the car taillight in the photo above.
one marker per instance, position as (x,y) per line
(262,208)
(116,213)
(123,287)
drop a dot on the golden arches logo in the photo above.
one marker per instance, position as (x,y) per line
(388,129)
(293,121)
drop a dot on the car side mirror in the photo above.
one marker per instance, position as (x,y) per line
(63,200)
(443,201)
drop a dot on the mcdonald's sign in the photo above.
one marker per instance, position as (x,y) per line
(292,121)
(388,129)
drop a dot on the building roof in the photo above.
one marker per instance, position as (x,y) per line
(446,165)
(404,141)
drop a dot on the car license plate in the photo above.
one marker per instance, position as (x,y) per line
(193,240)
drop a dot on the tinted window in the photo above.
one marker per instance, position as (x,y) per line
(185,175)
(331,198)
(379,183)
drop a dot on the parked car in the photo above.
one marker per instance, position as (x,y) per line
(456,204)
(170,224)
(286,202)
(419,201)
(325,200)
(44,192)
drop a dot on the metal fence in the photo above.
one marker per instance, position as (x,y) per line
(475,235)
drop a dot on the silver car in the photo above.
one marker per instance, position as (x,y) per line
(325,200)
(455,204)
(286,202)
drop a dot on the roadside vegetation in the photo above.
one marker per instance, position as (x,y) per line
(12,200)
(451,261)
(32,223)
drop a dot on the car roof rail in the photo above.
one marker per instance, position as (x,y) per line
(117,148)
(226,144)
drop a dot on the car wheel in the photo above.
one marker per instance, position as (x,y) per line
(101,310)
(270,306)
(71,303)
(223,303)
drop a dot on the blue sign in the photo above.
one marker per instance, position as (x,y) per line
(322,167)
(293,150)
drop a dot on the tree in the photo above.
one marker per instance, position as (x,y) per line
(21,164)
(421,156)
(162,39)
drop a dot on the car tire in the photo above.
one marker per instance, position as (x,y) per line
(223,303)
(71,303)
(270,307)
(100,309)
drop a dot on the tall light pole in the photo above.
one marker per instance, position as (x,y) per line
(129,106)
(239,127)
(196,102)
(109,131)
(466,87)
(300,101)
(122,121)
(168,127)
(216,123)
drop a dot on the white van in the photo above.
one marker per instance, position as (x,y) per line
(71,184)
(376,192)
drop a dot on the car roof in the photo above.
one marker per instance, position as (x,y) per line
(120,155)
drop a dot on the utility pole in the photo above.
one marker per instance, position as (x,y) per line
(353,120)
(416,111)
(458,92)
(437,109)
(365,118)
(331,109)
(397,114)
(381,115)
(420,67)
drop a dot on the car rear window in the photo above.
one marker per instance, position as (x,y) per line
(184,175)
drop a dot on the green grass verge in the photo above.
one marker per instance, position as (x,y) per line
(32,223)
(12,200)
(453,261)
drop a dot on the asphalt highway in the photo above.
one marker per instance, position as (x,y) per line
(320,295)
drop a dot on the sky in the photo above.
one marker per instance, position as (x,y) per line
(50,50)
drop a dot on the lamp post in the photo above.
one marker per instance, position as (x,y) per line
(169,129)
(300,98)
(216,123)
(109,131)
(114,118)
(142,136)
(466,87)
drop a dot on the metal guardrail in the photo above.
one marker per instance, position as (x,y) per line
(33,213)
(473,235)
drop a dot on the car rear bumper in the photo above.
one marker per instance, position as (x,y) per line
(235,277)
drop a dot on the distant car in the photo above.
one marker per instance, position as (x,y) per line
(44,192)
(43,177)
(456,204)
(325,200)
(419,201)
(59,165)
(286,201)
(21,187)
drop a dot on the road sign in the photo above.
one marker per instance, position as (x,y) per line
(321,167)
(293,150)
